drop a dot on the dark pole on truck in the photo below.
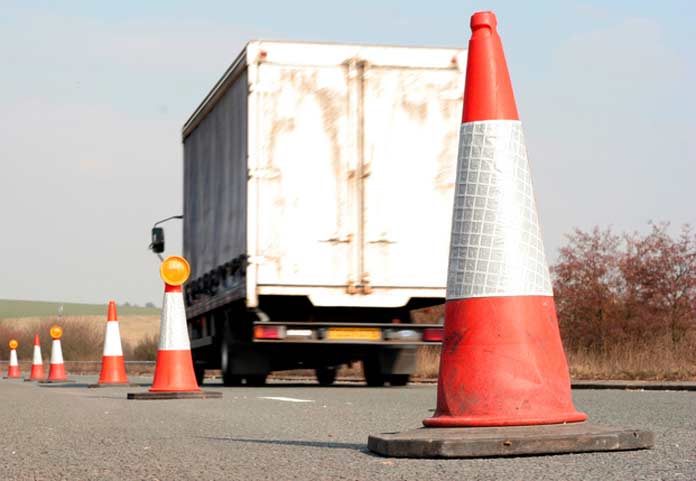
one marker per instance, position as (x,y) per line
(157,239)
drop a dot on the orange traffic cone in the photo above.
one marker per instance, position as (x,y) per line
(13,368)
(113,370)
(37,370)
(174,374)
(502,362)
(56,371)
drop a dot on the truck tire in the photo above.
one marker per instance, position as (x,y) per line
(326,375)
(398,379)
(372,373)
(199,371)
(228,379)
(256,380)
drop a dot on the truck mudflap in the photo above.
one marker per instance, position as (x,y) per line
(352,333)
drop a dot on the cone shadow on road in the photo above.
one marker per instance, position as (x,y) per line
(55,385)
(90,385)
(311,444)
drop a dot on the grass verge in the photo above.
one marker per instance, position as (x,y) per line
(12,309)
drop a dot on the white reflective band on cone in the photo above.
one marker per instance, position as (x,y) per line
(13,358)
(37,355)
(112,341)
(56,352)
(173,330)
(496,246)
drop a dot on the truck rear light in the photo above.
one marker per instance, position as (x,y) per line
(433,334)
(402,335)
(299,334)
(269,332)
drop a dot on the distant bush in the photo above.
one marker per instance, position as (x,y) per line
(146,349)
(630,289)
(81,341)
(427,362)
(13,332)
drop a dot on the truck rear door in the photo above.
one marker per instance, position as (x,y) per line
(411,127)
(305,221)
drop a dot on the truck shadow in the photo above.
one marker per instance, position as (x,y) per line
(310,384)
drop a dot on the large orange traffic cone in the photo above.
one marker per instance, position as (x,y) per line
(56,371)
(37,370)
(113,370)
(174,374)
(13,368)
(503,387)
(502,360)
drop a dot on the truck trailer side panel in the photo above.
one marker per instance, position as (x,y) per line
(215,184)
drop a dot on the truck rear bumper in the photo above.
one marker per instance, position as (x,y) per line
(339,333)
(347,333)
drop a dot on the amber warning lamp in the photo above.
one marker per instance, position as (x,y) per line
(174,270)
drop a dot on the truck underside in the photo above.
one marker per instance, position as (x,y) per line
(287,332)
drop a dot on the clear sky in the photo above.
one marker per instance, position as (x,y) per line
(93,96)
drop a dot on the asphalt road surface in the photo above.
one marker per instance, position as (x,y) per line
(300,431)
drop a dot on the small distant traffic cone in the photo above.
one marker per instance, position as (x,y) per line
(37,370)
(113,370)
(13,369)
(56,371)
(174,374)
(502,362)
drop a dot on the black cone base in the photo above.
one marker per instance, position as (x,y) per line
(481,442)
(174,395)
(106,384)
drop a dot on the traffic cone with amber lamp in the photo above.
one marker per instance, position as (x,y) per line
(13,368)
(174,375)
(56,370)
(503,385)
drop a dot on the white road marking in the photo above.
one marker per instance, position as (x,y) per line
(287,399)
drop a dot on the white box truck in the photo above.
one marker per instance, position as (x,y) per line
(318,188)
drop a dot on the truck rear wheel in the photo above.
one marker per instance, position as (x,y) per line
(398,379)
(199,371)
(326,375)
(373,374)
(228,379)
(256,380)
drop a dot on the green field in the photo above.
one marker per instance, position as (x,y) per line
(12,309)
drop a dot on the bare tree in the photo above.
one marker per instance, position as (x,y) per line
(588,287)
(637,289)
(660,273)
